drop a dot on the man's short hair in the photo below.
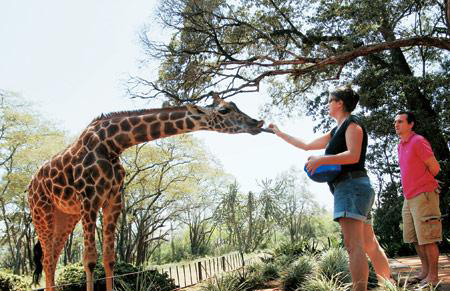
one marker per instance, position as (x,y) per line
(409,117)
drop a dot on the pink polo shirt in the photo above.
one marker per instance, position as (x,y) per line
(412,154)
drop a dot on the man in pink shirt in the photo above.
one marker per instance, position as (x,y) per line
(421,214)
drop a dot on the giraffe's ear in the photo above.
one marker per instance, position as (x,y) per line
(216,99)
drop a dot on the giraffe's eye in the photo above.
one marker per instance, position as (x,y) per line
(224,110)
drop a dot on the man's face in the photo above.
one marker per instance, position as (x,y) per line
(401,124)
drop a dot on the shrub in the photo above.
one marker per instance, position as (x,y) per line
(225,283)
(297,272)
(333,264)
(10,282)
(248,278)
(373,281)
(73,278)
(291,249)
(283,261)
(323,283)
(269,272)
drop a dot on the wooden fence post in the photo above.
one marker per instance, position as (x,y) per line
(184,275)
(178,276)
(223,264)
(190,273)
(200,271)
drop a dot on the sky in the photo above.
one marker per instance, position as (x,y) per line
(72,59)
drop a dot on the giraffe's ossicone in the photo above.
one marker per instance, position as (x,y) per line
(87,176)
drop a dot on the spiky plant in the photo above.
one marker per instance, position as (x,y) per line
(225,283)
(297,272)
(321,282)
(334,264)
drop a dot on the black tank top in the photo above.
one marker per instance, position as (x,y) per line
(337,144)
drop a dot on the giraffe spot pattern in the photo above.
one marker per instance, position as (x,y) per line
(135,120)
(140,133)
(68,171)
(89,160)
(102,134)
(101,151)
(149,118)
(163,116)
(124,140)
(125,125)
(60,179)
(189,123)
(106,168)
(169,129)
(112,130)
(179,124)
(89,191)
(68,192)
(155,130)
(79,184)
(177,115)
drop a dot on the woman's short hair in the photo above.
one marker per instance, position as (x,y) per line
(349,97)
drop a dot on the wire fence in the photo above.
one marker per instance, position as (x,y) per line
(188,274)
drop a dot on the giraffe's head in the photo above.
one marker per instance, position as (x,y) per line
(225,117)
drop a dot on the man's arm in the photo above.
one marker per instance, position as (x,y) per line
(432,165)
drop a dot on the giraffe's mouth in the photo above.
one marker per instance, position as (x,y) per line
(257,128)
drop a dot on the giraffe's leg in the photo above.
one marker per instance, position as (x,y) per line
(64,225)
(89,218)
(58,227)
(111,212)
(44,219)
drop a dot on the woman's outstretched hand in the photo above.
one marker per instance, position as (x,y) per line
(275,128)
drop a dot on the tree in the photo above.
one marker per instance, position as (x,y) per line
(158,176)
(396,52)
(24,144)
(247,219)
(296,206)
(238,45)
(198,211)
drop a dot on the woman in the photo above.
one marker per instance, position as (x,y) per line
(346,145)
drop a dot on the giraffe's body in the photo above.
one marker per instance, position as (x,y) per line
(87,176)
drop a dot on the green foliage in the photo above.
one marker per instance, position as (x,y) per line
(321,282)
(26,140)
(224,283)
(264,272)
(269,271)
(283,261)
(298,272)
(298,248)
(249,279)
(333,264)
(10,282)
(73,278)
(372,280)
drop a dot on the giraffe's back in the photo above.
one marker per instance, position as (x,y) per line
(53,186)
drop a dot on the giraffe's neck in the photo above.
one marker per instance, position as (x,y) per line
(120,131)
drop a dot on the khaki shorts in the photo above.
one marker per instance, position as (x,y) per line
(422,219)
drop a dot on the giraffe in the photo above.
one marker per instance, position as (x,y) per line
(87,176)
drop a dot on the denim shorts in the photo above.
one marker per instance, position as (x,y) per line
(353,198)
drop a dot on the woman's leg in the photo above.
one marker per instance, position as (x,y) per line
(376,254)
(353,231)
